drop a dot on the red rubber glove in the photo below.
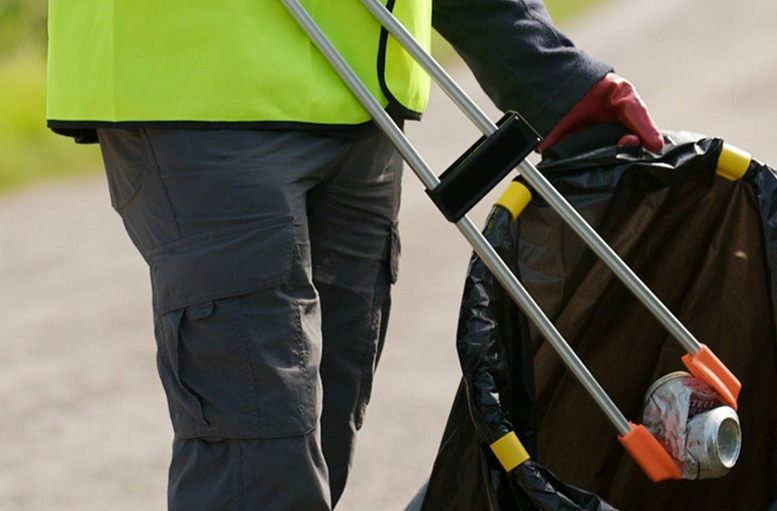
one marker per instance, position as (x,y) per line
(612,99)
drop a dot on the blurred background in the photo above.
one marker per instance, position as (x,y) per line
(29,151)
(84,423)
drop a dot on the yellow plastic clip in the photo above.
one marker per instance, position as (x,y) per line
(510,451)
(733,162)
(515,199)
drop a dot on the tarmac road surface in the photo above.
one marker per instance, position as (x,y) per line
(84,423)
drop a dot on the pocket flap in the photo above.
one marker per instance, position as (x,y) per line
(220,264)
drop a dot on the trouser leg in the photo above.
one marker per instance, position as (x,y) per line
(247,474)
(222,219)
(355,245)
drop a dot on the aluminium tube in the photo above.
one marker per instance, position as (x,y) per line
(557,201)
(537,180)
(435,70)
(357,87)
(527,304)
(465,225)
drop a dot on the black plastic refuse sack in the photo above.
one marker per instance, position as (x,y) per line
(706,246)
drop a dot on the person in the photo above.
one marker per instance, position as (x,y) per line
(265,202)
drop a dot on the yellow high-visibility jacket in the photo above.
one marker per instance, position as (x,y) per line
(125,62)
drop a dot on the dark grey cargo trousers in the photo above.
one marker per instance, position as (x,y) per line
(271,257)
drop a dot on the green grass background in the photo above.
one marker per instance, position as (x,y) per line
(563,10)
(29,152)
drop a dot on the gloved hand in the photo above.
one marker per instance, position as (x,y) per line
(612,99)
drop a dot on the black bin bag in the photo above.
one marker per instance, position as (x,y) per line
(706,246)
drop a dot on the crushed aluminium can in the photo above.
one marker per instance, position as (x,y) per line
(702,436)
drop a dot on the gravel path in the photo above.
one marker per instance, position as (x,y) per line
(85,423)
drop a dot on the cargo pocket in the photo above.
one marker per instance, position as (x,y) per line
(209,356)
(379,320)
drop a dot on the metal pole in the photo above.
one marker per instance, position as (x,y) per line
(481,246)
(537,180)
(540,183)
(435,70)
(529,307)
(365,97)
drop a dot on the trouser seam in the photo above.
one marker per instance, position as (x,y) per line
(240,481)
(251,399)
(373,333)
(381,289)
(158,171)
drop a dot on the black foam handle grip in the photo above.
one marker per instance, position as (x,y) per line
(483,166)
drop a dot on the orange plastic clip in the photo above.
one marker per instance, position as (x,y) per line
(706,366)
(651,457)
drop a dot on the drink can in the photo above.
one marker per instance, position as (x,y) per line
(702,435)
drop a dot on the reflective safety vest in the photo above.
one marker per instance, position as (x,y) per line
(235,61)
